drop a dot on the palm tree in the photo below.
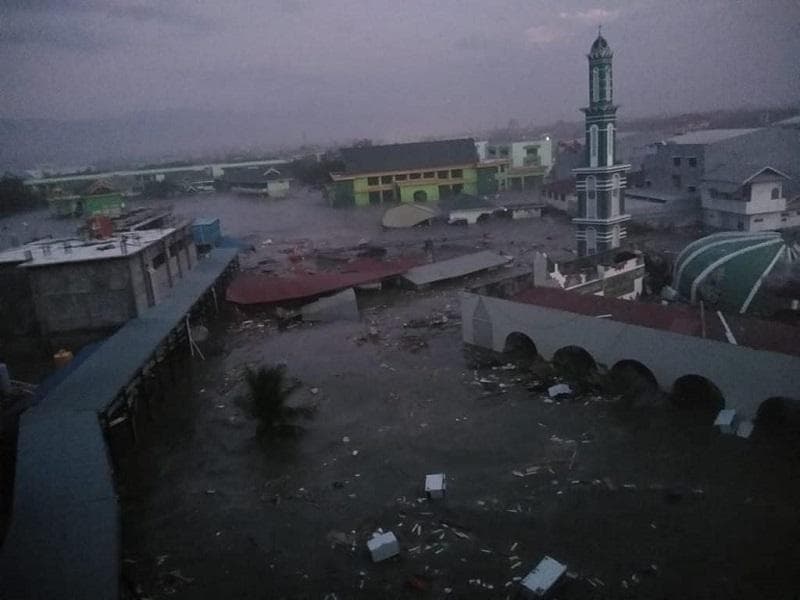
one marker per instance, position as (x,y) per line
(269,390)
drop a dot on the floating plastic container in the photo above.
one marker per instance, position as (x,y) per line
(206,232)
(435,485)
(383,546)
(539,582)
(62,358)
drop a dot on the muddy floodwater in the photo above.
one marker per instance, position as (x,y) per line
(648,502)
(643,502)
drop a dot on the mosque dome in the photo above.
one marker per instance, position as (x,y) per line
(726,270)
(600,48)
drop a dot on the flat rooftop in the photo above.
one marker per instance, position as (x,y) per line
(682,319)
(69,250)
(708,136)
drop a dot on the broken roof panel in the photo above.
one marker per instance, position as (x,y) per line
(454,267)
(413,156)
(258,288)
(408,215)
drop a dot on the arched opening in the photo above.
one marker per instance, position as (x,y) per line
(420,196)
(698,393)
(610,147)
(520,348)
(778,417)
(775,193)
(591,197)
(574,362)
(633,380)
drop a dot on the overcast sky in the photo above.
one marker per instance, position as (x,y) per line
(390,68)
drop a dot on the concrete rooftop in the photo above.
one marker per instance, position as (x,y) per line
(68,250)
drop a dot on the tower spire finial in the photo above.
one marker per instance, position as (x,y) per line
(599,30)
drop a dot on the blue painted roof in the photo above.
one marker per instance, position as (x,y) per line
(64,540)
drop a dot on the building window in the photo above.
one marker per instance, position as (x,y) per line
(591,240)
(372,181)
(492,151)
(420,196)
(458,188)
(593,146)
(607,73)
(676,181)
(759,220)
(595,84)
(615,186)
(610,145)
(442,174)
(676,161)
(591,197)
(429,175)
(456,174)
(504,151)
(691,189)
(374,197)
(692,161)
(615,236)
(387,195)
(386,179)
(401,177)
(415,175)
(776,193)
(159,260)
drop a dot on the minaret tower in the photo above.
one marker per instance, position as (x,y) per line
(600,183)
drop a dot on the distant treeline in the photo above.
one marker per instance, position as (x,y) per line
(313,172)
(720,119)
(15,196)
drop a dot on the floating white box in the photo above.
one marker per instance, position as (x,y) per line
(435,485)
(726,420)
(546,574)
(560,389)
(383,546)
(745,429)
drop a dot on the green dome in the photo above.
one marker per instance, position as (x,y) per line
(726,269)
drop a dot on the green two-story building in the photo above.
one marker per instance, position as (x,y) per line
(414,172)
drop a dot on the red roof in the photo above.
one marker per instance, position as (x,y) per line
(258,288)
(682,319)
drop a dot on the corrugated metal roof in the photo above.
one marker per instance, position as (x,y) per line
(454,267)
(412,156)
(708,136)
(735,160)
(257,288)
(682,319)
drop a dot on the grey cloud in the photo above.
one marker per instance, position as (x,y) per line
(56,35)
(144,13)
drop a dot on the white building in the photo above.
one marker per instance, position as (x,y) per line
(521,164)
(748,201)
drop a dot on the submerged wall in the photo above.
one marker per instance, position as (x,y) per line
(745,376)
